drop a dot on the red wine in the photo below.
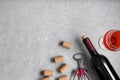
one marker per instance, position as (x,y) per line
(101,64)
(111,40)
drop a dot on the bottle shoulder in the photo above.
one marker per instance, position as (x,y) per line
(99,56)
(99,59)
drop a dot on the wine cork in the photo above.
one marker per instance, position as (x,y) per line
(63,68)
(65,77)
(67,44)
(84,36)
(59,59)
(48,73)
(46,78)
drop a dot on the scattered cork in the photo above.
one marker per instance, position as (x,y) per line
(46,78)
(65,77)
(59,59)
(67,45)
(63,68)
(48,73)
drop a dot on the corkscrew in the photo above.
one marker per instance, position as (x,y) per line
(80,73)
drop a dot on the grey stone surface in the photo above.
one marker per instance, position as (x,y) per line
(30,32)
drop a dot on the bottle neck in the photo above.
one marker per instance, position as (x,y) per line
(90,46)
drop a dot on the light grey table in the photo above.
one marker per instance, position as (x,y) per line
(30,32)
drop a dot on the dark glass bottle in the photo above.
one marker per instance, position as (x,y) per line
(101,64)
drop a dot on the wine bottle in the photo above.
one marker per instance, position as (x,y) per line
(101,64)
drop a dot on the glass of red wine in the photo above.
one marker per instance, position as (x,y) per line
(110,40)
